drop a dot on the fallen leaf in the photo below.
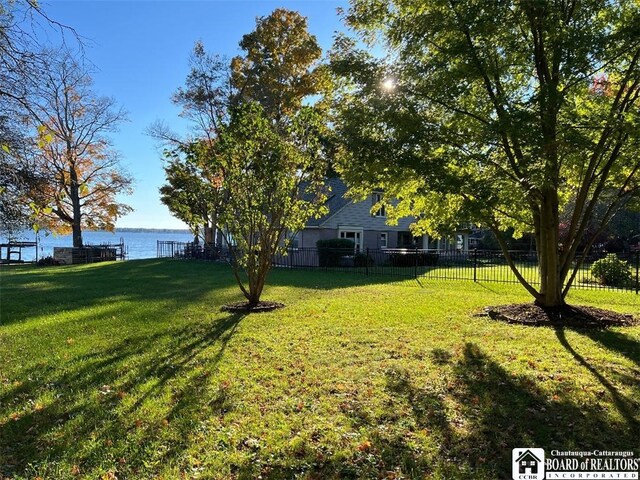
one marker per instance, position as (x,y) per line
(364,446)
(105,389)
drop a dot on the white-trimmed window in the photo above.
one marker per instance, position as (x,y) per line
(353,234)
(377,198)
(384,240)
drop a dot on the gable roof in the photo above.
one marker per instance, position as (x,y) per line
(335,202)
(527,454)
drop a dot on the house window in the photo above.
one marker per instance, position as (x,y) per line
(292,240)
(377,198)
(433,244)
(383,240)
(405,240)
(354,235)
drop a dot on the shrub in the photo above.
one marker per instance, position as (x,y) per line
(48,262)
(332,250)
(611,271)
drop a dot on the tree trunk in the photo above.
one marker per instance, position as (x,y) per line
(214,228)
(258,277)
(547,238)
(256,285)
(74,193)
(77,233)
(77,213)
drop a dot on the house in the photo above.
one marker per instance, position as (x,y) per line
(355,221)
(528,463)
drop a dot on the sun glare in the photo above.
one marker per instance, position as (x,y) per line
(388,84)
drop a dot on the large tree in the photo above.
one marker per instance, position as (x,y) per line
(258,153)
(509,114)
(83,171)
(18,176)
(21,60)
(258,158)
(278,68)
(273,183)
(271,150)
(192,191)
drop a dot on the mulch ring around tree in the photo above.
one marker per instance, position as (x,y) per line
(566,316)
(245,307)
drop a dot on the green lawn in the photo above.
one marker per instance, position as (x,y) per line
(129,370)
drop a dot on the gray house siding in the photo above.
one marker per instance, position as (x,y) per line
(355,220)
(370,239)
(308,237)
(359,214)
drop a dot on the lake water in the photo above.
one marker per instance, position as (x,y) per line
(138,244)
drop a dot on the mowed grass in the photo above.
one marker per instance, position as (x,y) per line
(129,370)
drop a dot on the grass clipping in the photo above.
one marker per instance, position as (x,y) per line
(569,316)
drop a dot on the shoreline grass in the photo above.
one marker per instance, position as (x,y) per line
(130,370)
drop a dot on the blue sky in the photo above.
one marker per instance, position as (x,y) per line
(140,51)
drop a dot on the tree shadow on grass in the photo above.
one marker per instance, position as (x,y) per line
(464,424)
(616,342)
(94,401)
(478,413)
(628,409)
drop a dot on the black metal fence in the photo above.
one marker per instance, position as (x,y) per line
(476,265)
(190,250)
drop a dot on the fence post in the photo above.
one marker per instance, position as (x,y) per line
(415,263)
(366,262)
(475,265)
(637,271)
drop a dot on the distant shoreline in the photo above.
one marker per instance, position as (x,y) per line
(31,233)
(152,230)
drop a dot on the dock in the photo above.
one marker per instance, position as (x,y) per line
(14,249)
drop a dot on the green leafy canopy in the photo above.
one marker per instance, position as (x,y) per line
(509,114)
